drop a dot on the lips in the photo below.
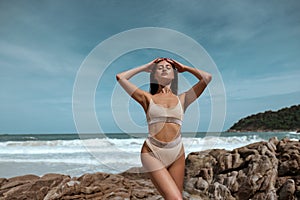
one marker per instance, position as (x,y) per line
(164,74)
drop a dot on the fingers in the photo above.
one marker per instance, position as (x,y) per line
(170,60)
(157,60)
(179,67)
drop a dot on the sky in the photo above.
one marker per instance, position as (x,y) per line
(255,46)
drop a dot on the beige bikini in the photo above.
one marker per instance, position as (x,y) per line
(165,152)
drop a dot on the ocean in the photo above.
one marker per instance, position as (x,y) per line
(74,154)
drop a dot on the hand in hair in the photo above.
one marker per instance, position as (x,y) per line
(180,67)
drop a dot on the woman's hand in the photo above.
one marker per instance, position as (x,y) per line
(180,67)
(149,66)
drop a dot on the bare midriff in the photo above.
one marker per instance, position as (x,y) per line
(165,132)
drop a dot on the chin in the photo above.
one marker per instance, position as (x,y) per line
(164,83)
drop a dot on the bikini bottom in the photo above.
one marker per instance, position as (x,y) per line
(162,154)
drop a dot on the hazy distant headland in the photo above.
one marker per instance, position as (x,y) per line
(285,119)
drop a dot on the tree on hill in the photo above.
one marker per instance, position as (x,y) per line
(286,119)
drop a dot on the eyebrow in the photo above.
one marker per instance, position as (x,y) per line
(168,64)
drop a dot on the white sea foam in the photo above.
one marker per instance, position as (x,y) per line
(108,147)
(108,155)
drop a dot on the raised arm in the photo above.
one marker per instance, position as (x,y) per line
(139,95)
(193,93)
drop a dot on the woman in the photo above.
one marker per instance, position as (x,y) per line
(162,154)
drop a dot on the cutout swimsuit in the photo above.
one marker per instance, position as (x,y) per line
(165,152)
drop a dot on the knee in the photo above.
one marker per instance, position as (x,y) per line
(178,198)
(175,197)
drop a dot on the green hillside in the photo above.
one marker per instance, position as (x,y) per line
(286,119)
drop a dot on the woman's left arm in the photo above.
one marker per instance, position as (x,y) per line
(203,77)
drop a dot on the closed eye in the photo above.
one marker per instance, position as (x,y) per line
(160,67)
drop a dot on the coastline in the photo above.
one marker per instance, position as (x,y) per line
(259,170)
(261,131)
(68,155)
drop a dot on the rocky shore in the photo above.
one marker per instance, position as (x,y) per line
(263,170)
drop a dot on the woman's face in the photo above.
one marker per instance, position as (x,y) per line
(164,73)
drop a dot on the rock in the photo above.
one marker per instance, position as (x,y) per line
(287,191)
(289,157)
(263,170)
(103,186)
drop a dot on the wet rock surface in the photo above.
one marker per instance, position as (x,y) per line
(89,186)
(262,170)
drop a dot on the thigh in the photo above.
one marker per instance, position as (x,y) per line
(177,169)
(159,175)
(165,184)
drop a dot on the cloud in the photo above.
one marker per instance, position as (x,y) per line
(264,86)
(43,43)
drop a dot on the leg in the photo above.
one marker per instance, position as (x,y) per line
(160,176)
(165,184)
(176,170)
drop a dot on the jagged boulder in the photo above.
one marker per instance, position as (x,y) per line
(262,170)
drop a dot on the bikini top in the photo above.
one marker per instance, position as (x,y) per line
(157,113)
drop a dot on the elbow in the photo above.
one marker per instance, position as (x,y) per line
(121,76)
(208,78)
(118,77)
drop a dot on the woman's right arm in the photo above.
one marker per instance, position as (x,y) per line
(139,95)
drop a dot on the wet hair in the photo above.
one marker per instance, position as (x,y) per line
(154,85)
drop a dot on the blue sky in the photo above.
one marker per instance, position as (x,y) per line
(255,45)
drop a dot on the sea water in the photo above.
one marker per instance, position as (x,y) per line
(74,154)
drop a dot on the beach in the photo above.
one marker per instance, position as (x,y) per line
(74,155)
(266,169)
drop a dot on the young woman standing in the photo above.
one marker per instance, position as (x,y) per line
(162,153)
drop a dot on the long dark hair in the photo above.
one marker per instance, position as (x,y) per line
(154,85)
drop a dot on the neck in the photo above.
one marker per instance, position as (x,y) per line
(164,89)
